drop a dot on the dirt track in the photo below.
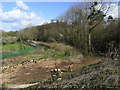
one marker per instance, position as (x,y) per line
(39,70)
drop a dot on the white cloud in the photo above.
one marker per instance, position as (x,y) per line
(113,9)
(17,19)
(9,26)
(21,5)
(11,15)
(1,10)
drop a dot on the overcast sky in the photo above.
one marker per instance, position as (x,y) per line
(19,14)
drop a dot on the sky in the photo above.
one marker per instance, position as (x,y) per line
(18,15)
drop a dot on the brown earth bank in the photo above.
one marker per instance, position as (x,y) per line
(31,71)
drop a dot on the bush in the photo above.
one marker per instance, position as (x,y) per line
(9,40)
(65,49)
(68,52)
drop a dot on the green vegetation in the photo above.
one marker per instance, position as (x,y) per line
(44,53)
(15,50)
(55,54)
(87,31)
(57,51)
(16,53)
(14,47)
(76,34)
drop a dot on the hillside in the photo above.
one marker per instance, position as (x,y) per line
(33,68)
(78,49)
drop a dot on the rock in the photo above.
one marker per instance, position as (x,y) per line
(59,79)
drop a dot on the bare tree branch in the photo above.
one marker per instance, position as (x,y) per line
(100,20)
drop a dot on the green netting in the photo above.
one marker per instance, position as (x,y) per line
(16,53)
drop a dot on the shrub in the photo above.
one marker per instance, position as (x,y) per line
(67,52)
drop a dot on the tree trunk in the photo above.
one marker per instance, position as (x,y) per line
(89,42)
(86,42)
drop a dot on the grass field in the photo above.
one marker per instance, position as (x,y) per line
(14,47)
(12,50)
(16,53)
(43,52)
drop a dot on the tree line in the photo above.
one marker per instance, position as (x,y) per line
(85,26)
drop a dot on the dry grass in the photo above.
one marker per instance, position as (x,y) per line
(63,49)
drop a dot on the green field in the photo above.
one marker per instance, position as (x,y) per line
(12,50)
(16,53)
(14,47)
(15,50)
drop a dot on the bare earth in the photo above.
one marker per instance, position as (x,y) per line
(30,72)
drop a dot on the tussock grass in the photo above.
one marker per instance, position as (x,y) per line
(64,49)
